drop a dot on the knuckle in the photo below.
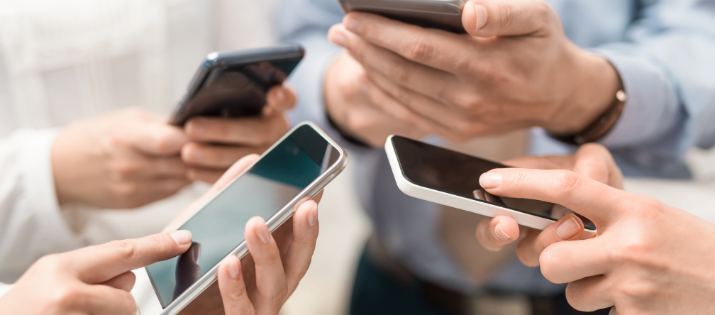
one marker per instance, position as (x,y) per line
(506,15)
(398,72)
(419,48)
(65,297)
(566,182)
(126,249)
(124,189)
(541,13)
(636,288)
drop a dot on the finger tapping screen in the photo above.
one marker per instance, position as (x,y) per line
(458,174)
(218,228)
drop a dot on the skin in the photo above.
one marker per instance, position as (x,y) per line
(129,158)
(460,86)
(216,143)
(97,279)
(648,258)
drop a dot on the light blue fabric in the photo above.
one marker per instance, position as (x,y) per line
(664,52)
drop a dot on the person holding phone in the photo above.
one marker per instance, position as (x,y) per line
(563,66)
(97,279)
(648,257)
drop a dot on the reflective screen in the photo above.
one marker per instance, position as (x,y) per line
(266,188)
(458,174)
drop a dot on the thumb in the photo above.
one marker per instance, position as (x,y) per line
(97,264)
(485,18)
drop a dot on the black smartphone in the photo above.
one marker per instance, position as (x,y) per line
(440,14)
(235,83)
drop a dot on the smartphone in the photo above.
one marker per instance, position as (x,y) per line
(450,178)
(440,14)
(298,166)
(235,83)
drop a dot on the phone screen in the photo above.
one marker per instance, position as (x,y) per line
(458,174)
(218,228)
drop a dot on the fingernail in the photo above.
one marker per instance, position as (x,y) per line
(480,12)
(491,180)
(181,237)
(234,270)
(352,24)
(338,38)
(263,234)
(313,216)
(499,232)
(567,229)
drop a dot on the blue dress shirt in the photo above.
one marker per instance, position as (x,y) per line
(664,52)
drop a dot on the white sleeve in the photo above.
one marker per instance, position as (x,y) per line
(31,224)
(4,288)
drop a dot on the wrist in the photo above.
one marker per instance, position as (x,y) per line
(595,85)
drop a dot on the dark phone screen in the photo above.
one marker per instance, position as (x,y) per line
(219,227)
(458,174)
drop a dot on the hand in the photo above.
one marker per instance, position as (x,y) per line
(592,161)
(92,280)
(124,159)
(648,258)
(270,273)
(364,111)
(216,143)
(516,68)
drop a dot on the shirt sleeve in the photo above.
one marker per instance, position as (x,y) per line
(31,224)
(666,64)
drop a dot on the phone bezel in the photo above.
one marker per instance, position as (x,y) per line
(471,205)
(275,221)
(425,13)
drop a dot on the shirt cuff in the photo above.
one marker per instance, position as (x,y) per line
(40,194)
(4,288)
(652,108)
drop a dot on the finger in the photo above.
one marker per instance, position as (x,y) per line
(156,138)
(280,99)
(247,131)
(529,250)
(204,155)
(565,262)
(424,46)
(101,299)
(495,233)
(508,18)
(397,110)
(405,73)
(447,121)
(596,201)
(301,249)
(205,175)
(596,162)
(549,162)
(233,289)
(270,276)
(124,281)
(100,263)
(590,294)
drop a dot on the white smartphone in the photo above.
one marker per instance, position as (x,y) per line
(299,165)
(450,178)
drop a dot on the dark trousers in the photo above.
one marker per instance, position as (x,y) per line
(376,292)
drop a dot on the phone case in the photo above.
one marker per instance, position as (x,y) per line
(439,14)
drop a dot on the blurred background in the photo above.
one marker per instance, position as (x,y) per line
(65,60)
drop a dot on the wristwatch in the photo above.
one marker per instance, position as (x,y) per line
(601,126)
